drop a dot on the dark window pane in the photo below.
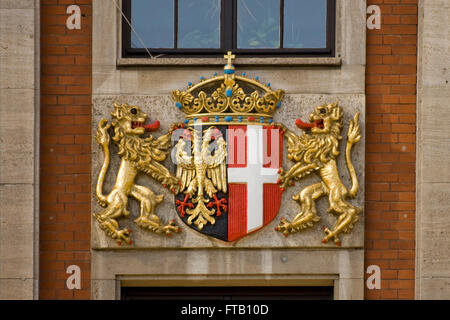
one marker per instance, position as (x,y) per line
(258,24)
(305,23)
(153,20)
(198,23)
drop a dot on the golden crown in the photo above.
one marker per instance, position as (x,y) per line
(227,102)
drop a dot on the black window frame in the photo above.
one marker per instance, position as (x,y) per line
(228,41)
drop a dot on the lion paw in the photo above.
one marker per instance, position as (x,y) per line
(153,223)
(171,228)
(284,179)
(111,228)
(330,235)
(285,227)
(173,184)
(176,126)
(150,222)
(122,235)
(102,135)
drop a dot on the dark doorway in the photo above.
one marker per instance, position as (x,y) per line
(227,293)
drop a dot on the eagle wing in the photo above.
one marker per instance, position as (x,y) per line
(217,168)
(185,165)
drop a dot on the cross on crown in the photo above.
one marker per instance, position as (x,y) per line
(229,56)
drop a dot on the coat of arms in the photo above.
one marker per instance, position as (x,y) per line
(228,155)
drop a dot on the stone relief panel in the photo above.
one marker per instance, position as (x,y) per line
(294,106)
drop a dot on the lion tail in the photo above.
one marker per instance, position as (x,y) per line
(354,135)
(354,189)
(101,198)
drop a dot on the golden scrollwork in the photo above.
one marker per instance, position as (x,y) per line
(203,101)
(201,172)
(316,150)
(254,101)
(138,155)
(272,99)
(229,97)
(186,102)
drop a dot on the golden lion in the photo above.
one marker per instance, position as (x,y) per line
(316,151)
(138,155)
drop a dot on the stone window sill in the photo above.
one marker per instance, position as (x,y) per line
(142,62)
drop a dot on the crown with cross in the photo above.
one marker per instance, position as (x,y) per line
(228,99)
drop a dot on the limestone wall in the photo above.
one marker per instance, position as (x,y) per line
(433,152)
(19,88)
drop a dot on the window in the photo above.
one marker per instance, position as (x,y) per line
(246,27)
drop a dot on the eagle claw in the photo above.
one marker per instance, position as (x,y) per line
(220,204)
(181,205)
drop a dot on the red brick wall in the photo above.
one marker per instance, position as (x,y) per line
(391,148)
(65,152)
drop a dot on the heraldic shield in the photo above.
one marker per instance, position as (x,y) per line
(228,155)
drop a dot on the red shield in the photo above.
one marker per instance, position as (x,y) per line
(254,158)
(253,198)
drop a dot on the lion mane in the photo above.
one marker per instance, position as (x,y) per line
(143,153)
(317,148)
